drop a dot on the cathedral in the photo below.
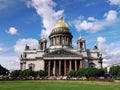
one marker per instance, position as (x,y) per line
(60,57)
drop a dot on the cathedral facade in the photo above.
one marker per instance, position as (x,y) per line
(60,57)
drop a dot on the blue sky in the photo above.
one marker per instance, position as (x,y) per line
(24,21)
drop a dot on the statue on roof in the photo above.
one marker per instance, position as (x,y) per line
(61,17)
(27,47)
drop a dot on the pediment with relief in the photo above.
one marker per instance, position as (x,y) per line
(61,53)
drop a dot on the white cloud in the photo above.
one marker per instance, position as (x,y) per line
(1,49)
(110,52)
(114,2)
(45,9)
(91,19)
(9,62)
(111,15)
(86,25)
(21,43)
(101,39)
(94,25)
(12,31)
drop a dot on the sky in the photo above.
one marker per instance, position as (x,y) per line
(25,21)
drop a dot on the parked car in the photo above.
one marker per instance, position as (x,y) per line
(106,76)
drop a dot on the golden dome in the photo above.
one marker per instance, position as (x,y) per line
(60,23)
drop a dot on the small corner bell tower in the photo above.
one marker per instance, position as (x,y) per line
(81,43)
(42,43)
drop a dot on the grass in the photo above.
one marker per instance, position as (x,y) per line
(58,85)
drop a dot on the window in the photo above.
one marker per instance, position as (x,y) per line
(92,65)
(31,66)
(60,41)
(81,45)
(41,46)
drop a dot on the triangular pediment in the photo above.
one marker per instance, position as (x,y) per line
(61,52)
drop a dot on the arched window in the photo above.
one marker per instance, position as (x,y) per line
(92,65)
(60,40)
(41,46)
(31,66)
(81,44)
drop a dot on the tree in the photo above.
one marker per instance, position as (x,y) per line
(72,73)
(15,73)
(118,73)
(26,73)
(105,70)
(100,72)
(114,70)
(90,72)
(41,73)
(81,72)
(3,71)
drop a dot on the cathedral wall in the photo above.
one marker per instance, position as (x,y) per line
(39,64)
(97,64)
(31,55)
(85,63)
(39,54)
(84,54)
(93,54)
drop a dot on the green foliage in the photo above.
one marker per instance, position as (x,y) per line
(90,72)
(118,73)
(26,73)
(72,73)
(105,70)
(81,72)
(15,73)
(100,72)
(3,71)
(41,73)
(87,72)
(115,71)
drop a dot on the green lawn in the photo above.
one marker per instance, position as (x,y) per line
(58,85)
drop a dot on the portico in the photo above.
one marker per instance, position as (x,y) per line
(61,65)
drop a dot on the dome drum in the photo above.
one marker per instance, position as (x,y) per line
(60,34)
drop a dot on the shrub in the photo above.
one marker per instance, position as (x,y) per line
(90,72)
(72,73)
(26,73)
(14,74)
(41,73)
(81,72)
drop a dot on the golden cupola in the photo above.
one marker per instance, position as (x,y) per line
(60,23)
(60,28)
(60,34)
